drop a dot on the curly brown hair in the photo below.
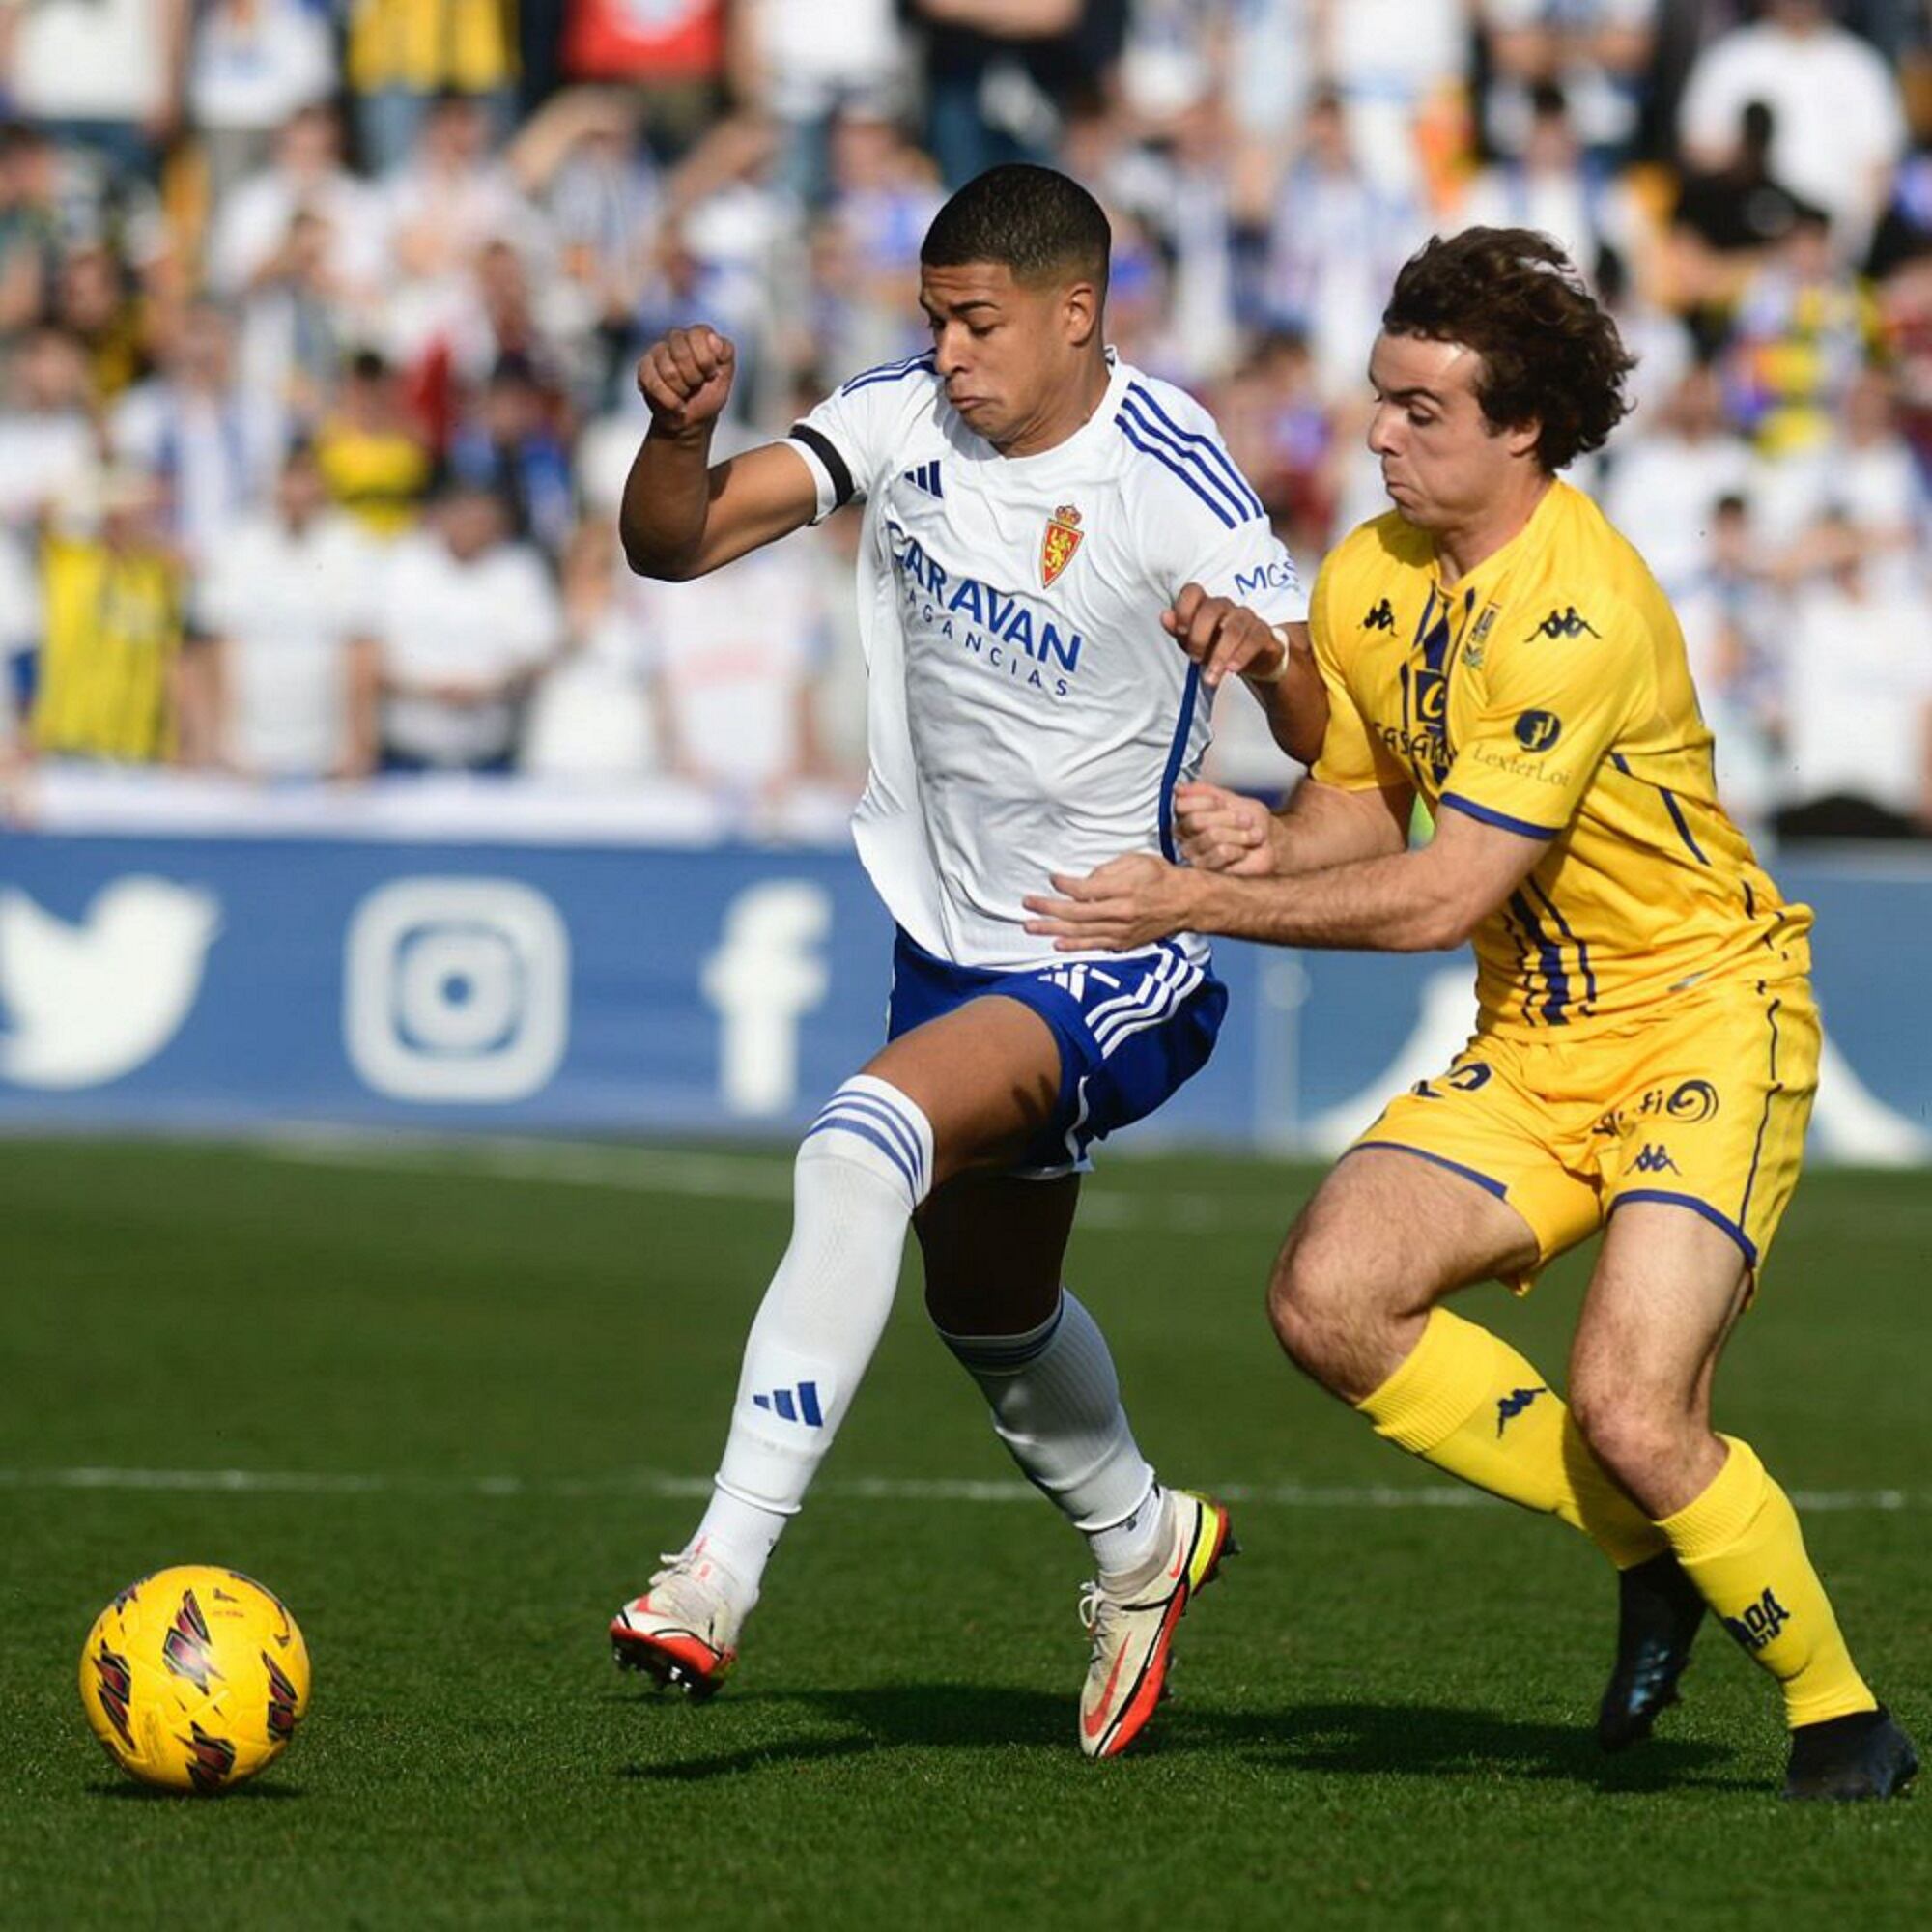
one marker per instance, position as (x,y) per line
(1551,355)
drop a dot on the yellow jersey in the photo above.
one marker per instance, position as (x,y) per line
(111,628)
(1547,692)
(424,44)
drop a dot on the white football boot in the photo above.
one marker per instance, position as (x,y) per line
(1133,1621)
(683,1631)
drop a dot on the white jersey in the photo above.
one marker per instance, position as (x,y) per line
(1027,714)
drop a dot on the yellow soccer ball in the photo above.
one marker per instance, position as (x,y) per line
(195,1678)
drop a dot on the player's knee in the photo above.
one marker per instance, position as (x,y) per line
(867,1125)
(1312,1303)
(1636,1432)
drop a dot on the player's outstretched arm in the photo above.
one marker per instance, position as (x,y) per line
(1422,901)
(682,515)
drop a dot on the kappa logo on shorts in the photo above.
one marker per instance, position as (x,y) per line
(1513,1404)
(1760,1623)
(1655,1158)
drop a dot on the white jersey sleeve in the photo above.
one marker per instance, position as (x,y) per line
(1206,522)
(849,441)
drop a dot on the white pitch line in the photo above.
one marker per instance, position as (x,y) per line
(709,1176)
(662,1486)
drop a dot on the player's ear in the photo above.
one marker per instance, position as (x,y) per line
(1521,438)
(1079,313)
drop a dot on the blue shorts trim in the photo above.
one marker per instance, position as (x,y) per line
(1130,1031)
(1487,1183)
(1746,1245)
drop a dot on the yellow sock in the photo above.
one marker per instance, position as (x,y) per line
(1740,1544)
(1467,1402)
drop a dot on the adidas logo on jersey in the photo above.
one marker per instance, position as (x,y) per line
(793,1404)
(925,477)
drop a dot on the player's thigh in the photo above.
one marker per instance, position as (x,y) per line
(993,1246)
(1666,1293)
(1496,1125)
(988,1075)
(1388,1235)
(1710,1110)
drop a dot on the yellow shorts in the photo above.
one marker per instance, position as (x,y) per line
(1703,1103)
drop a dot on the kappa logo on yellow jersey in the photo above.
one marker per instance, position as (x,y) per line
(1565,623)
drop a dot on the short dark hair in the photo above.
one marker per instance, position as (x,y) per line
(1552,353)
(1039,222)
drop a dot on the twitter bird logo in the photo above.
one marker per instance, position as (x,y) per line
(82,1004)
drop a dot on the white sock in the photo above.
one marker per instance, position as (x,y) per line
(1056,1405)
(864,1164)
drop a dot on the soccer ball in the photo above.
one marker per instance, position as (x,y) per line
(195,1678)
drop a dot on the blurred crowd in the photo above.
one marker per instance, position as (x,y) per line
(318,321)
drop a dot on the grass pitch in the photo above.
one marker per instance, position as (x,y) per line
(466,1397)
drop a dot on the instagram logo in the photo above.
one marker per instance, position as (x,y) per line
(456,990)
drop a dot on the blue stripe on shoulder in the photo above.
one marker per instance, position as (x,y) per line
(1215,454)
(1130,412)
(1169,462)
(888,371)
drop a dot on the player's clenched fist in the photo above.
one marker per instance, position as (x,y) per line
(1223,832)
(1223,637)
(685,377)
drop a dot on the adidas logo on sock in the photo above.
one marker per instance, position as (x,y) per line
(925,477)
(793,1404)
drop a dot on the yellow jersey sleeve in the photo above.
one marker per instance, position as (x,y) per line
(1351,757)
(1553,707)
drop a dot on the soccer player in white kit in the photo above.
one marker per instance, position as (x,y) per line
(1058,565)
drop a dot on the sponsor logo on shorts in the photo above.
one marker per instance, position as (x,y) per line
(1655,1158)
(1691,1101)
(1468,1078)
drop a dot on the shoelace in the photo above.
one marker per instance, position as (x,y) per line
(677,1569)
(1094,1605)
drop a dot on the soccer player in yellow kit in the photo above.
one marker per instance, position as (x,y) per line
(1646,1050)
